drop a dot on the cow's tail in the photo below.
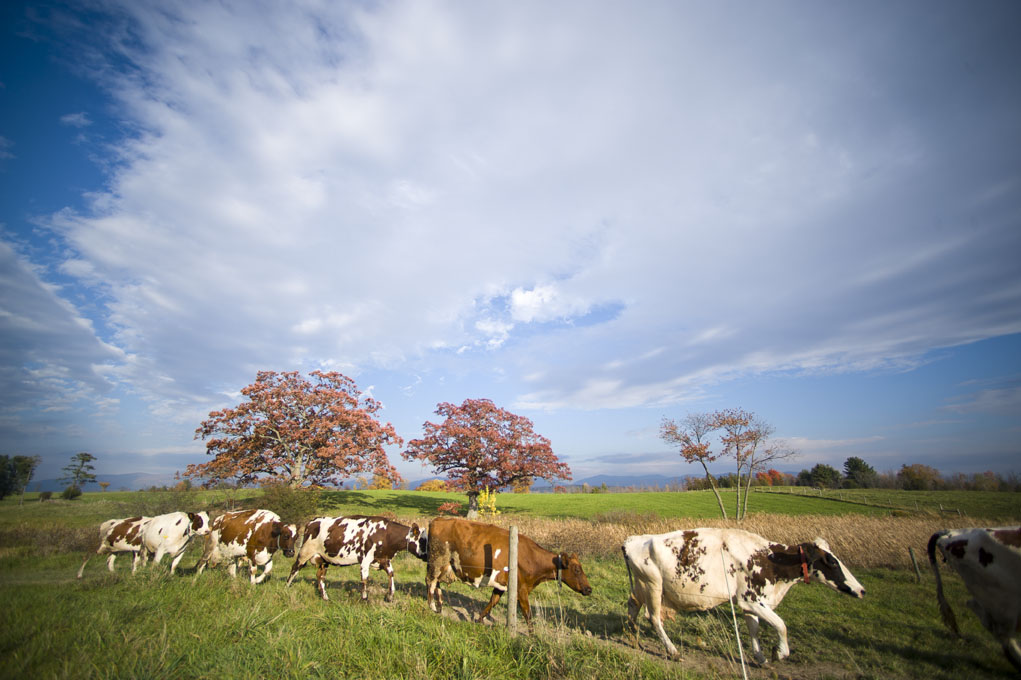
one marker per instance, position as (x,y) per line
(944,607)
(627,563)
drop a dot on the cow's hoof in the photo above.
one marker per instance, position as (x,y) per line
(389,598)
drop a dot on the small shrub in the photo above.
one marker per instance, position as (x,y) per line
(45,496)
(292,504)
(451,508)
(70,493)
(433,485)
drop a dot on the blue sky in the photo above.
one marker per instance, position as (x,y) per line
(595,214)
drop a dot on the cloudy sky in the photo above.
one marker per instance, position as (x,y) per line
(596,214)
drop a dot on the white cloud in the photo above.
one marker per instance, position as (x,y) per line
(78,120)
(368,186)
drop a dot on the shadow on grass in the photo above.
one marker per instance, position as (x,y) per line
(411,503)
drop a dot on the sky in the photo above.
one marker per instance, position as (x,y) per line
(596,214)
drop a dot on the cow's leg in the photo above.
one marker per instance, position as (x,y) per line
(110,561)
(139,556)
(489,607)
(752,622)
(655,603)
(299,563)
(320,584)
(433,595)
(388,568)
(266,568)
(177,560)
(769,616)
(365,566)
(232,568)
(526,609)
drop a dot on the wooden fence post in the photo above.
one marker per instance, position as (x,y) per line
(918,574)
(512,581)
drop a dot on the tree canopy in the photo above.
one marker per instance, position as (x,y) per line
(15,473)
(317,430)
(79,470)
(481,446)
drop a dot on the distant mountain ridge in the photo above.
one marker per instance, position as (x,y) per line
(130,481)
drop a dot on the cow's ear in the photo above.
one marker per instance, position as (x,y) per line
(415,531)
(821,542)
(277,527)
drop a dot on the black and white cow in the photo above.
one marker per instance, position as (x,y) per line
(700,569)
(989,563)
(361,540)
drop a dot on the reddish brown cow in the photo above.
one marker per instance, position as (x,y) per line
(476,553)
(252,535)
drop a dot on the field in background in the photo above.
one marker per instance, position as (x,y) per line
(154,625)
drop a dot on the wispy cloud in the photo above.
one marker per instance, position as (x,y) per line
(78,120)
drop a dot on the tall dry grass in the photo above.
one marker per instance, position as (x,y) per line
(857,540)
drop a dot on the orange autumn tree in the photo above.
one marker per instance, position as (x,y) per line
(299,431)
(481,446)
(691,435)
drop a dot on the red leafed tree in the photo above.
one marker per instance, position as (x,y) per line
(480,446)
(299,431)
(692,436)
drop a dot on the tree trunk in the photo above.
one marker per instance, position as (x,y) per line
(712,485)
(473,504)
(747,491)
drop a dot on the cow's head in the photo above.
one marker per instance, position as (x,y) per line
(569,571)
(199,523)
(418,542)
(825,567)
(285,536)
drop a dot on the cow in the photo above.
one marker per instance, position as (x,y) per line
(252,535)
(477,553)
(989,563)
(357,539)
(120,536)
(170,534)
(700,569)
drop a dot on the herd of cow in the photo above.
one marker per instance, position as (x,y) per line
(696,569)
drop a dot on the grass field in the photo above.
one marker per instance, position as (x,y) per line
(153,625)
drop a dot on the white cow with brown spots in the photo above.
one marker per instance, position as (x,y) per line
(700,569)
(170,534)
(118,536)
(251,535)
(989,563)
(361,540)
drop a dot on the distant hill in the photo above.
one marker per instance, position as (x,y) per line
(131,481)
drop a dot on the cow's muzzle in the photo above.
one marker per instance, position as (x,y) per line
(288,553)
(587,591)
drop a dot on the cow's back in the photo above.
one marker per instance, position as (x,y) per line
(693,568)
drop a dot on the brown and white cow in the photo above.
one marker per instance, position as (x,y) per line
(477,553)
(702,568)
(170,534)
(357,539)
(252,535)
(989,563)
(120,536)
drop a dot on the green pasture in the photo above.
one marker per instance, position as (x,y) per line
(153,625)
(93,508)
